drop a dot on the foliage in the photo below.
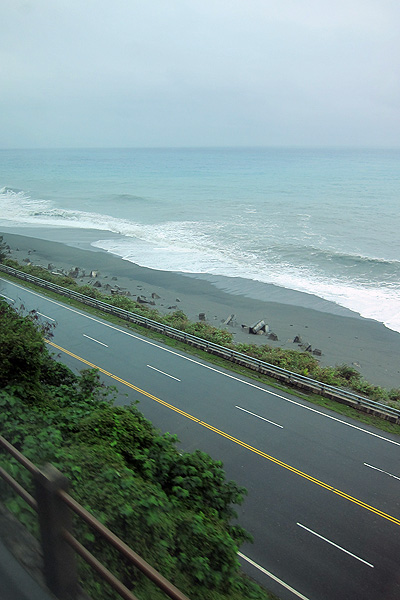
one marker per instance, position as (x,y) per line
(174,509)
(22,351)
(303,363)
(3,249)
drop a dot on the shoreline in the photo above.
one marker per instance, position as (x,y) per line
(341,335)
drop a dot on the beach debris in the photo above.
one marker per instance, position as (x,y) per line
(155,296)
(258,327)
(309,348)
(202,316)
(174,307)
(272,336)
(228,320)
(74,273)
(93,274)
(177,300)
(297,340)
(317,352)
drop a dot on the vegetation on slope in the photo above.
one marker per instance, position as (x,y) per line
(175,509)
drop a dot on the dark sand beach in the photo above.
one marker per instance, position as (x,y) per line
(340,334)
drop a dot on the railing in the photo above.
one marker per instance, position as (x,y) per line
(52,503)
(294,379)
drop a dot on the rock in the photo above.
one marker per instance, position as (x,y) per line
(177,300)
(74,273)
(272,336)
(172,307)
(114,279)
(152,303)
(317,352)
(309,348)
(97,284)
(297,340)
(258,326)
(229,320)
(202,316)
(155,296)
(26,260)
(50,267)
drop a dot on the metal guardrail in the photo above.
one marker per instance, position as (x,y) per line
(283,375)
(53,505)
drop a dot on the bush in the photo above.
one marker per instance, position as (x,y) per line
(174,509)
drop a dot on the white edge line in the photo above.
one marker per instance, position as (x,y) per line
(93,340)
(381,471)
(45,316)
(162,372)
(336,546)
(7,298)
(258,416)
(314,410)
(274,577)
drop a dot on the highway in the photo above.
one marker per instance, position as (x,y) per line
(323,490)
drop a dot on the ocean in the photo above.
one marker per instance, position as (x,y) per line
(321,221)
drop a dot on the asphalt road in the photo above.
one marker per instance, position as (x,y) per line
(323,501)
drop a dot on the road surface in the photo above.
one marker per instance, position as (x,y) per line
(323,490)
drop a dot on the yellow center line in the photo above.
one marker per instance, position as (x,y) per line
(278,462)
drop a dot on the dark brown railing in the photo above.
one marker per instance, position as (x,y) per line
(54,505)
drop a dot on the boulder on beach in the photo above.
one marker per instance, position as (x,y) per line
(258,326)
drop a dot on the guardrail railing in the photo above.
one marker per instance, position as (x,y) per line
(53,505)
(289,377)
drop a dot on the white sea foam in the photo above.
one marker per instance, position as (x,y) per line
(207,247)
(378,303)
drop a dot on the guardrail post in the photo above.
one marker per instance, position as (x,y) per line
(54,517)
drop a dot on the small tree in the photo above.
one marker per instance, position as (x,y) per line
(3,249)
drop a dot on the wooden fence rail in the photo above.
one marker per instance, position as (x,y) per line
(54,505)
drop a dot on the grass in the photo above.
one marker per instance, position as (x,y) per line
(321,401)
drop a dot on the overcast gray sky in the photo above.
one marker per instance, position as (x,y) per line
(199,73)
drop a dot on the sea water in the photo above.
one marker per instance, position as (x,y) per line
(321,221)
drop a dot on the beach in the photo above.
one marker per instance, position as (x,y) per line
(341,335)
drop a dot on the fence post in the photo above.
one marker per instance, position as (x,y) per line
(54,517)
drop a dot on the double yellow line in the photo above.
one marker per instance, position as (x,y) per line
(278,462)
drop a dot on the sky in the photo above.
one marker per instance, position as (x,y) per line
(177,73)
